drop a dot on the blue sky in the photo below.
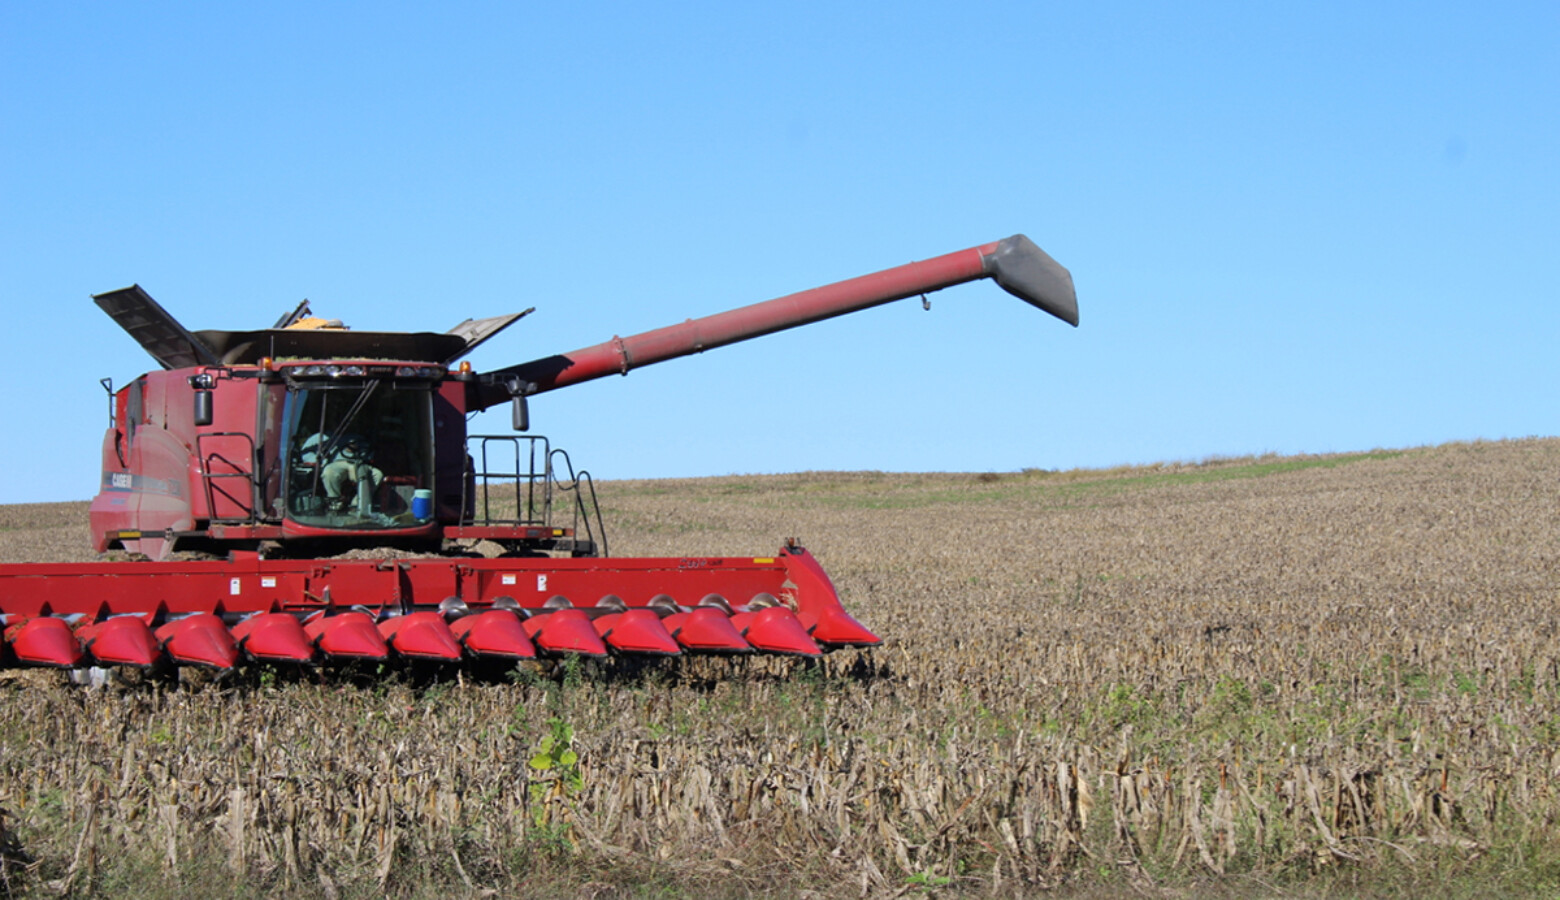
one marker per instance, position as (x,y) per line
(1293,227)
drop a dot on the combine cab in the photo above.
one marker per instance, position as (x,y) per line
(251,466)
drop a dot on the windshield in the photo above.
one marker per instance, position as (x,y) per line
(359,456)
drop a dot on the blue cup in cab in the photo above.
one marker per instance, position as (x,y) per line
(422,504)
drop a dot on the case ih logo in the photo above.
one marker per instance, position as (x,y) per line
(124,481)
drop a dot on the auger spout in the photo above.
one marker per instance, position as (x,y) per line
(1020,267)
(1030,274)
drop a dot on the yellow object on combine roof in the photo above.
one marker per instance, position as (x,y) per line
(313,323)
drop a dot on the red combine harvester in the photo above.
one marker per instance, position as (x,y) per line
(250,467)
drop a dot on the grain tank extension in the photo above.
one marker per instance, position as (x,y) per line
(310,494)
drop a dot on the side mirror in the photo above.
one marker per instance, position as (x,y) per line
(203,408)
(520,414)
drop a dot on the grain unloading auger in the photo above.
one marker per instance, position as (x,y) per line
(252,461)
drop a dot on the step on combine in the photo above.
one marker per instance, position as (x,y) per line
(308,494)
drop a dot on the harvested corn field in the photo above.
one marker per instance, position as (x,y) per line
(1331,675)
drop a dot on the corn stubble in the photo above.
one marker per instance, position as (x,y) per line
(1281,670)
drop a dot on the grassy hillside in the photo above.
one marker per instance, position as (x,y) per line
(1315,676)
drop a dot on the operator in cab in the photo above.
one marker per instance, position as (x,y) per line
(348,463)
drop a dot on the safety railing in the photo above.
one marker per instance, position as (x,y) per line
(522,480)
(217,468)
(509,479)
(581,489)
